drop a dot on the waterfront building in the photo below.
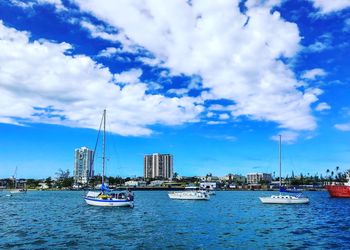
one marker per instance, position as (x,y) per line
(158,166)
(257,178)
(156,183)
(208,185)
(83,165)
(209,177)
(135,183)
(234,178)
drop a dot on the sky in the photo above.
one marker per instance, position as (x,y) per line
(212,82)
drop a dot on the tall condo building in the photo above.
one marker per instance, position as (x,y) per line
(158,166)
(83,165)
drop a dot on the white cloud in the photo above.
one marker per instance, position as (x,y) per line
(322,106)
(40,83)
(224,116)
(30,3)
(287,136)
(346,25)
(130,77)
(108,52)
(327,6)
(210,114)
(215,122)
(313,74)
(343,126)
(235,57)
(178,92)
(57,3)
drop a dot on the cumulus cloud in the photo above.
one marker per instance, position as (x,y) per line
(328,6)
(40,82)
(235,55)
(130,77)
(322,106)
(313,74)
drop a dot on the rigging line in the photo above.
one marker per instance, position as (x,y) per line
(98,136)
(114,147)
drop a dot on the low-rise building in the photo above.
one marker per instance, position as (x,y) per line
(135,183)
(234,178)
(43,185)
(156,183)
(208,185)
(257,178)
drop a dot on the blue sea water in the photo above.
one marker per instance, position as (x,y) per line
(230,220)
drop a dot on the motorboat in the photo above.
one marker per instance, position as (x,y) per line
(339,190)
(189,195)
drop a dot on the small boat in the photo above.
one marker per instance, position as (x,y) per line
(110,199)
(340,190)
(18,191)
(106,197)
(285,196)
(189,195)
(209,191)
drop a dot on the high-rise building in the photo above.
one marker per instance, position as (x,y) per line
(83,165)
(158,166)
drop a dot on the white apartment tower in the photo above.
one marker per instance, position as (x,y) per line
(83,165)
(158,166)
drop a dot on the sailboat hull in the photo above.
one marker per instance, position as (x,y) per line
(109,202)
(283,200)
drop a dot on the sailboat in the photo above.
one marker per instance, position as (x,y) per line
(16,190)
(285,196)
(105,197)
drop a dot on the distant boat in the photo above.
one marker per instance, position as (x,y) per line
(189,195)
(105,197)
(209,191)
(338,190)
(17,190)
(285,196)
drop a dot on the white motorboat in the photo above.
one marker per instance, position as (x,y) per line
(105,197)
(285,196)
(189,195)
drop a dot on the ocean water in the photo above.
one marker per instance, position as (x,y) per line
(230,220)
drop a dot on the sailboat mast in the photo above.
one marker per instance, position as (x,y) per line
(103,146)
(280,157)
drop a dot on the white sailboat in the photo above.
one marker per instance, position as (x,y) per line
(284,197)
(105,197)
(16,190)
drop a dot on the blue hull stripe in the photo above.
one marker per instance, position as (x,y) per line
(107,200)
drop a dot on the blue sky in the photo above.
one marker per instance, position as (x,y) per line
(212,82)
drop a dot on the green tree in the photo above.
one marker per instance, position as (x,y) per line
(63,179)
(48,182)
